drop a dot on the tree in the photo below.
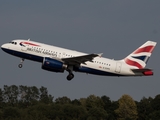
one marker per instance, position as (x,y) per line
(109,107)
(44,97)
(155,113)
(127,108)
(73,112)
(94,101)
(29,95)
(76,102)
(1,98)
(10,94)
(144,108)
(97,114)
(11,112)
(63,100)
(155,103)
(107,102)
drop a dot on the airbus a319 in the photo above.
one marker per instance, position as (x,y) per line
(56,59)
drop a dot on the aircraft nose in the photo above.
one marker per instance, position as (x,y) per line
(3,47)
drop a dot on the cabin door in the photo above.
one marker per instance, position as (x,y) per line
(118,67)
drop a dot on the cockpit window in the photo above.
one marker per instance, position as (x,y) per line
(15,43)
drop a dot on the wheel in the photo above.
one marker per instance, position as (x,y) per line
(70,76)
(20,65)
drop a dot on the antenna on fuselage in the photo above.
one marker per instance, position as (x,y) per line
(29,39)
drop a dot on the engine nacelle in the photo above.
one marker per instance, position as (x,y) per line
(53,65)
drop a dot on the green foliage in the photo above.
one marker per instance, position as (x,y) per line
(93,101)
(109,106)
(32,103)
(97,114)
(63,100)
(11,112)
(127,108)
(144,108)
(44,97)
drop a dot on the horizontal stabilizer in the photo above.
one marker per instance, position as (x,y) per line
(141,70)
(145,71)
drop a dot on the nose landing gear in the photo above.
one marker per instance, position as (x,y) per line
(21,64)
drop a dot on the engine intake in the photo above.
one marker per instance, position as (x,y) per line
(53,65)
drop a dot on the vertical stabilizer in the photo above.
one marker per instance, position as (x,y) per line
(140,56)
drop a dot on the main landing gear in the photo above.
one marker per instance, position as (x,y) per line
(71,75)
(21,64)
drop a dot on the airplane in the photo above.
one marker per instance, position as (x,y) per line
(56,59)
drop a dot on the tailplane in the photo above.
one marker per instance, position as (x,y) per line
(139,58)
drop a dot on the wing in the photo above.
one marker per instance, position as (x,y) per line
(80,59)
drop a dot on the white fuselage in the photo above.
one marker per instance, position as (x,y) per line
(38,51)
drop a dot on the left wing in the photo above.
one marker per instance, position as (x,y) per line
(80,59)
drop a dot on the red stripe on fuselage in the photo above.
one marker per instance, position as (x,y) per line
(144,49)
(28,43)
(133,63)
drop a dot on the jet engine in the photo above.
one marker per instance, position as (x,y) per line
(53,65)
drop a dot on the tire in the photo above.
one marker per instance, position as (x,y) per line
(20,65)
(70,77)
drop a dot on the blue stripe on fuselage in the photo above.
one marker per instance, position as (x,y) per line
(24,55)
(95,71)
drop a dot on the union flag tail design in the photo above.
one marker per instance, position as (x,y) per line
(140,56)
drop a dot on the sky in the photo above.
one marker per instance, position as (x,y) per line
(112,27)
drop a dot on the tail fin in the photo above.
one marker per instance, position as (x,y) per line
(140,56)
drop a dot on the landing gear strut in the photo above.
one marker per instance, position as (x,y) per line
(71,75)
(21,64)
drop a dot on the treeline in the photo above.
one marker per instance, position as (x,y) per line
(32,103)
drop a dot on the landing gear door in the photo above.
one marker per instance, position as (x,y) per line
(118,67)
